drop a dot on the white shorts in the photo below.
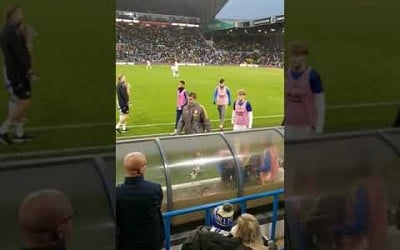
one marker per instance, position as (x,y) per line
(240,128)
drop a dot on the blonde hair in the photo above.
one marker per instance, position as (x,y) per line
(120,77)
(248,231)
(241,92)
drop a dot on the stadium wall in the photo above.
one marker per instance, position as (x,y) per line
(202,64)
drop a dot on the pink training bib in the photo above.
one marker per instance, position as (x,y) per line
(241,114)
(222,97)
(300,107)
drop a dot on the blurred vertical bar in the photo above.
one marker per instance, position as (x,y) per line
(341,186)
(71,46)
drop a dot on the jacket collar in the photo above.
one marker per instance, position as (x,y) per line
(133,180)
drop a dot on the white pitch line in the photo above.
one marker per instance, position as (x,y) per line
(86,150)
(227,129)
(363,105)
(104,124)
(70,126)
(173,123)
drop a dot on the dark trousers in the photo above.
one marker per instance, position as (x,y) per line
(178,116)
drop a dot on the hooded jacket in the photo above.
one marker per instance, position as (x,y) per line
(203,239)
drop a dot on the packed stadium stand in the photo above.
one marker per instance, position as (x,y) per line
(162,43)
(138,43)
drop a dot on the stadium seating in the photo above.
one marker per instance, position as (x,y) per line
(138,43)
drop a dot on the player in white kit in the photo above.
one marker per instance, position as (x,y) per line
(148,65)
(175,69)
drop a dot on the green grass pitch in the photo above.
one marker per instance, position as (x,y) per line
(74,57)
(153,94)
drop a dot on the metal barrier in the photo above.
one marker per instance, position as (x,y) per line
(211,151)
(208,208)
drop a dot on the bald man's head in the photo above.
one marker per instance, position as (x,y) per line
(45,217)
(135,164)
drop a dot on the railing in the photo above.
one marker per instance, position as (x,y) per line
(208,209)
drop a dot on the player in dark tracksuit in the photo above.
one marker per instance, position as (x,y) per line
(123,102)
(19,73)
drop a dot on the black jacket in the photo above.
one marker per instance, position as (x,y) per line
(122,95)
(203,239)
(45,248)
(15,52)
(139,220)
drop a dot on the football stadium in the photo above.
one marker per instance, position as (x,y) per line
(200,44)
(247,54)
(197,173)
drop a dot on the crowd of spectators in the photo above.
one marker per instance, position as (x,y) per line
(138,43)
(261,49)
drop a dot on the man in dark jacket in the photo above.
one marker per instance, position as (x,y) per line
(194,119)
(139,220)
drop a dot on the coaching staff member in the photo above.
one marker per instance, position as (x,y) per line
(18,69)
(194,117)
(139,221)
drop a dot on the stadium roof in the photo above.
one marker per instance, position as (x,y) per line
(205,9)
(250,9)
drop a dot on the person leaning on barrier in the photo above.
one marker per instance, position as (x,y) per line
(139,220)
(216,237)
(245,235)
(194,118)
(45,220)
(247,229)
